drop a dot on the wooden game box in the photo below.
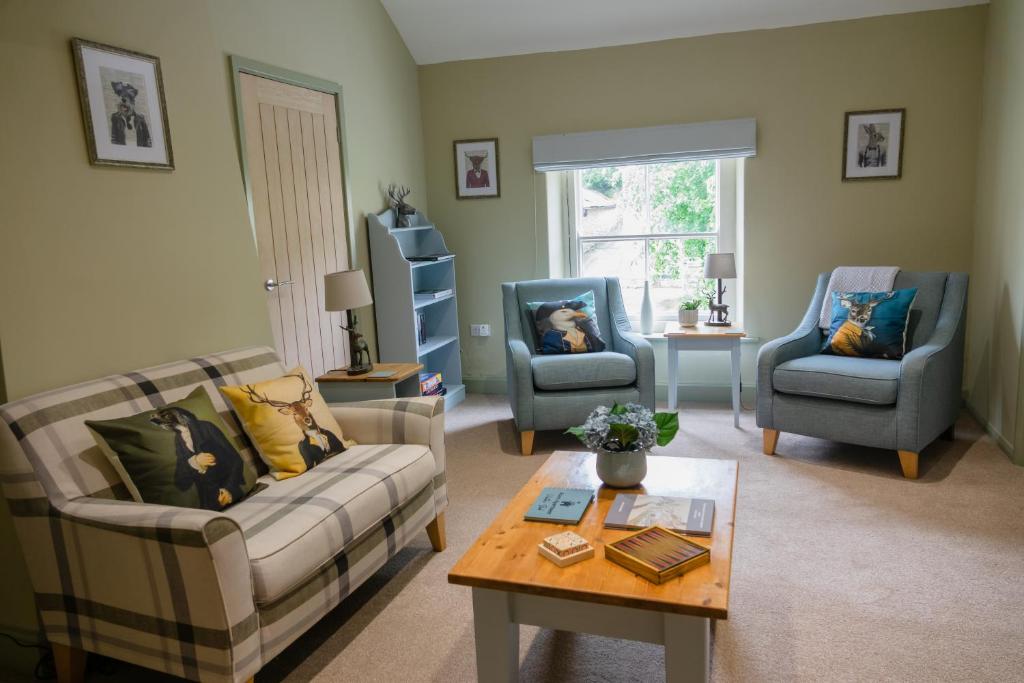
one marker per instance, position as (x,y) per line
(657,554)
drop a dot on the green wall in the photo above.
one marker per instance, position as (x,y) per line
(106,269)
(800,219)
(996,337)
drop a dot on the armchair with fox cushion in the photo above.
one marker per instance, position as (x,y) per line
(901,405)
(557,391)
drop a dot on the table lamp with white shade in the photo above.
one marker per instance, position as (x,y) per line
(719,266)
(347,291)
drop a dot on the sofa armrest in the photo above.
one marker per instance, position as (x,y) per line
(624,340)
(642,353)
(931,376)
(519,376)
(805,340)
(418,420)
(180,576)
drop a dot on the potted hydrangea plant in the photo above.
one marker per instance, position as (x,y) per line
(622,436)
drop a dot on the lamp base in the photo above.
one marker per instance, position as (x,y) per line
(718,324)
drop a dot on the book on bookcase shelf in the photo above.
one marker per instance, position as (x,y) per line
(436,293)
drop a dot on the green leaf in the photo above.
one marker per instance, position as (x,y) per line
(626,434)
(576,431)
(618,410)
(668,426)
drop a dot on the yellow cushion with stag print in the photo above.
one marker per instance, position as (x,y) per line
(289,422)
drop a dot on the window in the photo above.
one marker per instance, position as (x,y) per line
(651,222)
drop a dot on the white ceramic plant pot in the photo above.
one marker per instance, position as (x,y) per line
(688,317)
(621,470)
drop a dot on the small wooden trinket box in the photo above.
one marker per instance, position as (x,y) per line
(566,548)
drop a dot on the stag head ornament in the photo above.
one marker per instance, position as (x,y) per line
(403,211)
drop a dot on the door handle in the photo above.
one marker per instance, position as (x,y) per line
(271,284)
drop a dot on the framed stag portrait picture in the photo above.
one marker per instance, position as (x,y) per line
(476,169)
(122,96)
(873,144)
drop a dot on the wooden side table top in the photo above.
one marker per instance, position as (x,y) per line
(505,556)
(702,330)
(402,371)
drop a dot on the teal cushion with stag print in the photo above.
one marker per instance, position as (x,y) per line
(870,324)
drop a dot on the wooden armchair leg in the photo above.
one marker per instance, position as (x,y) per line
(771,440)
(908,463)
(69,662)
(435,531)
(526,442)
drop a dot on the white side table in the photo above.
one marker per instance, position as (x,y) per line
(704,338)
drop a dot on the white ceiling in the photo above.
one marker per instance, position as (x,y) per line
(450,30)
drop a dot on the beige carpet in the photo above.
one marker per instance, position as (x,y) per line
(843,571)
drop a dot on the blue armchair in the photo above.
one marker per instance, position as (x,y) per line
(559,391)
(896,404)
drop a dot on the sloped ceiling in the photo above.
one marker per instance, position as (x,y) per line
(451,30)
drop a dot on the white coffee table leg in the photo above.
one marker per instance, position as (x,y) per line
(736,384)
(497,637)
(673,374)
(687,649)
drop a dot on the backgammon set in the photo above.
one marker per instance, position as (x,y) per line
(657,554)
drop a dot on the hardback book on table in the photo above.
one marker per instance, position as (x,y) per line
(657,554)
(560,505)
(694,516)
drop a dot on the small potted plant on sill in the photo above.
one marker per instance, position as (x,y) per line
(622,436)
(689,309)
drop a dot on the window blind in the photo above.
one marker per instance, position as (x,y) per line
(708,140)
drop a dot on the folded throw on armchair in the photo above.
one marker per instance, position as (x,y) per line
(855,279)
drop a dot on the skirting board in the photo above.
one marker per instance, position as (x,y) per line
(996,435)
(687,392)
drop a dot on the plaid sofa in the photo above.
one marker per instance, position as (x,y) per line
(205,595)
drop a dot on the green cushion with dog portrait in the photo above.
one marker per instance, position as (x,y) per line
(180,454)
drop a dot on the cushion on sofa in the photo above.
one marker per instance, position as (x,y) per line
(296,526)
(179,454)
(288,421)
(861,380)
(583,371)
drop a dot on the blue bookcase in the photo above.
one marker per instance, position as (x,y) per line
(400,294)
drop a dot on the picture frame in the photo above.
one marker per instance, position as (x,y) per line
(873,144)
(477,173)
(123,106)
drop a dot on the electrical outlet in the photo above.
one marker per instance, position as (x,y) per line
(480,330)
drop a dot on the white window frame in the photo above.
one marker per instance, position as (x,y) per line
(725,234)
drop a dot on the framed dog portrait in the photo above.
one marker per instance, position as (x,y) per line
(476,169)
(873,144)
(122,95)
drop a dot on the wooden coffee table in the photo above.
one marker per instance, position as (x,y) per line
(512,584)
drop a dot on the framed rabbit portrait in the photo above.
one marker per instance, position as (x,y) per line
(873,144)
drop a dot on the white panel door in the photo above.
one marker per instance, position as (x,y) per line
(294,158)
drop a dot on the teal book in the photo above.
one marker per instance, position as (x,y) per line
(560,506)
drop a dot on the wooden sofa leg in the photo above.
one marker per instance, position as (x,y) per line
(526,442)
(908,463)
(435,531)
(771,440)
(69,662)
